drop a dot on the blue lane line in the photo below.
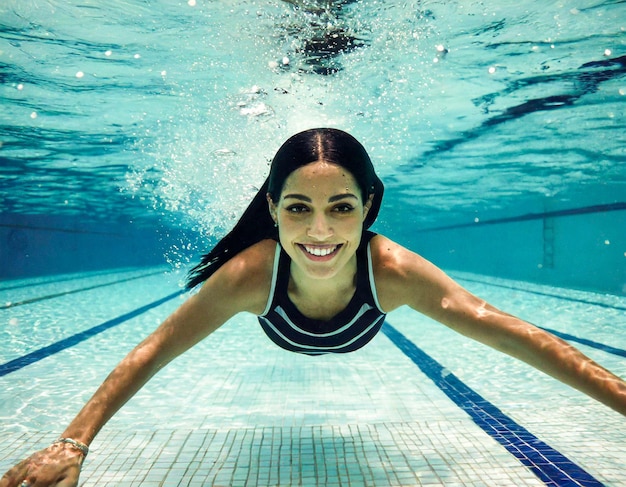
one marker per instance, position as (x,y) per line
(74,291)
(65,278)
(566,336)
(68,342)
(590,343)
(61,230)
(619,206)
(553,468)
(541,293)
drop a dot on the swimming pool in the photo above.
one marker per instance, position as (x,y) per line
(238,411)
(133,133)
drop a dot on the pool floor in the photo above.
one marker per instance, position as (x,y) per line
(419,405)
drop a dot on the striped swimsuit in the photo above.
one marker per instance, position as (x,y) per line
(348,331)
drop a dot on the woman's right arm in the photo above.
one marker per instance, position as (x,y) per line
(242,284)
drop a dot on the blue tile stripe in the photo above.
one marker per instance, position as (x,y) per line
(74,291)
(585,341)
(617,206)
(566,336)
(542,293)
(70,341)
(553,468)
(10,285)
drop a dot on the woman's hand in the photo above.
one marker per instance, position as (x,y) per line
(58,465)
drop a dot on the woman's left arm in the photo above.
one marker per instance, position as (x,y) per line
(404,278)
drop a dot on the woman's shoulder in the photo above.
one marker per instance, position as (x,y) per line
(258,258)
(247,276)
(252,265)
(399,273)
(388,257)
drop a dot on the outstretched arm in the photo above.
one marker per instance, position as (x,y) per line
(235,287)
(406,278)
(199,316)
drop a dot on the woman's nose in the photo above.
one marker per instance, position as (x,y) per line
(319,228)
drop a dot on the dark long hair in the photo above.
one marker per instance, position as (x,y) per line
(256,224)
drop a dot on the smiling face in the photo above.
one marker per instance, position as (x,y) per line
(320,217)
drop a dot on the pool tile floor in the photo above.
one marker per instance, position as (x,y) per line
(237,411)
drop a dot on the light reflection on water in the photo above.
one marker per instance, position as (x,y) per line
(462,106)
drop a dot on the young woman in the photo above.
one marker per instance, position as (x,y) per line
(302,259)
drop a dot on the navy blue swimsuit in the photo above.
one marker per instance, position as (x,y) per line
(348,331)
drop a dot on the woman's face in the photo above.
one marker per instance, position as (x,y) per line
(320,219)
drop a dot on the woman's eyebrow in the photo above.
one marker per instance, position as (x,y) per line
(332,199)
(338,197)
(298,197)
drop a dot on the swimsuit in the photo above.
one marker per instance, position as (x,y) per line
(348,331)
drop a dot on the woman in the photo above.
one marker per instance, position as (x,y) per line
(302,259)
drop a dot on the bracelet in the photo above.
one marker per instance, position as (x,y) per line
(84,449)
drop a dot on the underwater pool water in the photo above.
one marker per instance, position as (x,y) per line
(137,126)
(466,107)
(133,133)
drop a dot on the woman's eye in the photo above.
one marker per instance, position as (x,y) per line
(297,209)
(344,208)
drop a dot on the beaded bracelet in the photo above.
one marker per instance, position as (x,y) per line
(84,449)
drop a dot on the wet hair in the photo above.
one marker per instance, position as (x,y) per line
(256,224)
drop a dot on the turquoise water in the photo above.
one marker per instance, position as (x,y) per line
(132,133)
(165,113)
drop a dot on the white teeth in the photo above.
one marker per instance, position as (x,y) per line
(319,252)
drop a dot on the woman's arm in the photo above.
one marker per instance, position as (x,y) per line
(242,284)
(199,316)
(404,278)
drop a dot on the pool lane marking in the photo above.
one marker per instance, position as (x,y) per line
(585,210)
(66,277)
(552,467)
(74,291)
(545,294)
(56,347)
(566,336)
(584,341)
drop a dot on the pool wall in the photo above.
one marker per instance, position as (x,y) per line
(584,248)
(35,245)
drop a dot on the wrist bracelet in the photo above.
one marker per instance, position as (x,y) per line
(84,449)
